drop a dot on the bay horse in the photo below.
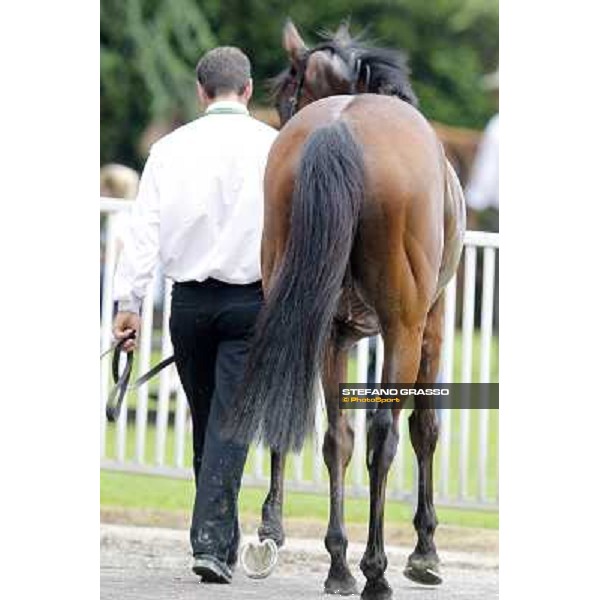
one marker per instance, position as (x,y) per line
(363,227)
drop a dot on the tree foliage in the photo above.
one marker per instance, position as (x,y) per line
(147,56)
(149,49)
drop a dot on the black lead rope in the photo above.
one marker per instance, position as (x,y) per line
(121,380)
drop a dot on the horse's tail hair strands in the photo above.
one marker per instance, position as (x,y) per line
(277,400)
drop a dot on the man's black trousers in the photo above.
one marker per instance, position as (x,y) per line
(211,326)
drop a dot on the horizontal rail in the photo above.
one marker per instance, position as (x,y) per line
(482,239)
(114,204)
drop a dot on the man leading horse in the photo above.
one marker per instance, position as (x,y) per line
(199,211)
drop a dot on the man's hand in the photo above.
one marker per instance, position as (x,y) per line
(124,324)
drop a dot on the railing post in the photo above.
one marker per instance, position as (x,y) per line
(298,464)
(487,314)
(110,259)
(141,411)
(180,421)
(360,419)
(164,386)
(259,457)
(447,377)
(320,425)
(467,364)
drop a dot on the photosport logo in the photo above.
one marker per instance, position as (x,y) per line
(430,395)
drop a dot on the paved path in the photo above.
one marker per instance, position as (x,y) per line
(154,564)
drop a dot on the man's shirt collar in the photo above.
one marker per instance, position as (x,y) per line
(227,107)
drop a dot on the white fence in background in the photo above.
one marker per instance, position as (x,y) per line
(466,460)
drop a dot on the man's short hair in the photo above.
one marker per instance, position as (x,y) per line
(223,70)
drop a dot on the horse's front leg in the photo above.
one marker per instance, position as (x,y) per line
(423,563)
(272,524)
(337,451)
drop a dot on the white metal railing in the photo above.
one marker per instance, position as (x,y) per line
(159,446)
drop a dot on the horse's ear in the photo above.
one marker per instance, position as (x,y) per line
(342,35)
(292,42)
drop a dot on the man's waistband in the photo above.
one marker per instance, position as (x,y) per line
(211,283)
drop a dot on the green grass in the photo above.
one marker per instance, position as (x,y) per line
(162,493)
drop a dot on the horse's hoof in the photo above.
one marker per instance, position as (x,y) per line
(376,589)
(423,569)
(345,586)
(268,531)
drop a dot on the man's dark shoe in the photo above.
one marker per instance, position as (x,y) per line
(211,569)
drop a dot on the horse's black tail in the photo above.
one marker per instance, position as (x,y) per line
(277,399)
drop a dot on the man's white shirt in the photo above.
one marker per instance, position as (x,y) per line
(199,208)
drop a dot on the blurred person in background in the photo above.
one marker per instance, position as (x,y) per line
(482,191)
(121,182)
(199,212)
(116,181)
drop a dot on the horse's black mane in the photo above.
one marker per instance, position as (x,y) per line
(386,70)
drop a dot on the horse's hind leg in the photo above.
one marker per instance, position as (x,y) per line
(423,563)
(401,363)
(337,450)
(271,526)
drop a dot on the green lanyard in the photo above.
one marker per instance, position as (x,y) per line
(225,111)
